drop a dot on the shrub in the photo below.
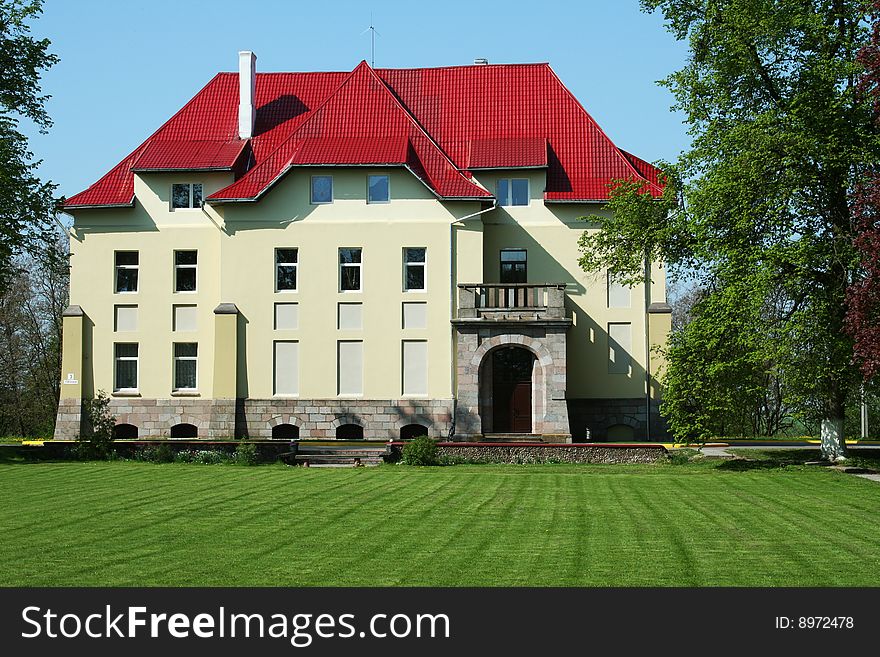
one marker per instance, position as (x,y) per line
(246,454)
(420,451)
(97,443)
(683,455)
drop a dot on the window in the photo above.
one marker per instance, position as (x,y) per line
(322,189)
(378,189)
(184,318)
(410,431)
(350,317)
(285,432)
(126,357)
(286,360)
(126,318)
(184,431)
(619,345)
(126,271)
(185,271)
(514,265)
(186,356)
(415,367)
(350,368)
(349,270)
(414,264)
(286,316)
(618,295)
(285,269)
(186,195)
(513,191)
(415,315)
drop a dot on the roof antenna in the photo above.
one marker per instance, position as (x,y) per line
(373,32)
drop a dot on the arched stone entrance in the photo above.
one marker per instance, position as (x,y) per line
(475,398)
(509,376)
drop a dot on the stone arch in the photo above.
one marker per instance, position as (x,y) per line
(200,423)
(484,378)
(627,420)
(413,419)
(287,418)
(125,431)
(182,429)
(347,419)
(285,431)
(542,354)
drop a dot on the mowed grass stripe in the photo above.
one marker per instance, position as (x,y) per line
(144,524)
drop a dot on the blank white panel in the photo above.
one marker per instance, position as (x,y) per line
(415,315)
(415,367)
(351,316)
(619,296)
(286,316)
(185,318)
(287,368)
(350,368)
(126,318)
(619,348)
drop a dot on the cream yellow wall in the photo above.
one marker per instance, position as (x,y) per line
(550,234)
(285,218)
(152,229)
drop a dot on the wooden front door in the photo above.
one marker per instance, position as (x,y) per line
(512,390)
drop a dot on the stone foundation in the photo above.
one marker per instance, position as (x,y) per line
(595,419)
(519,453)
(215,419)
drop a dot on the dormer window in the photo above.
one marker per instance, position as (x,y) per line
(322,190)
(186,195)
(378,189)
(513,191)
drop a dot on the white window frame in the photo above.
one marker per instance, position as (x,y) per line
(423,265)
(312,190)
(295,265)
(359,265)
(137,368)
(378,175)
(508,202)
(177,268)
(191,186)
(117,267)
(175,358)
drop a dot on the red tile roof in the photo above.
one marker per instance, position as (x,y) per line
(518,152)
(437,122)
(189,155)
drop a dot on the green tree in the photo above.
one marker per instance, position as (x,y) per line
(758,205)
(26,203)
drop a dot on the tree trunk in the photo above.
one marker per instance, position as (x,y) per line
(833,444)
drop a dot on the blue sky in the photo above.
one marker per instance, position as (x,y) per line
(126,67)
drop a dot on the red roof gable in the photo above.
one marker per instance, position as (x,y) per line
(437,122)
(189,155)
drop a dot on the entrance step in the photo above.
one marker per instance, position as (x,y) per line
(342,456)
(513,438)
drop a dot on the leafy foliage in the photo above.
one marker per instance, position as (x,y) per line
(26,203)
(246,454)
(779,133)
(98,439)
(420,451)
(863,318)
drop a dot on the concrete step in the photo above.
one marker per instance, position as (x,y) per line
(512,438)
(342,451)
(325,459)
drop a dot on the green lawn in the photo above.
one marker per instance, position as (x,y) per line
(763,523)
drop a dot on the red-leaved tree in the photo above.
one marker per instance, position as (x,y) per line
(863,314)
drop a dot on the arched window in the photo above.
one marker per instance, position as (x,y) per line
(184,431)
(411,431)
(125,431)
(349,432)
(285,432)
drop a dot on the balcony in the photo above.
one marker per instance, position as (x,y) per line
(511,302)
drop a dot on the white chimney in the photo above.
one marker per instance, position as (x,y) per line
(481,61)
(247,87)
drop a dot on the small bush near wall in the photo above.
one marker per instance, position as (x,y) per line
(421,451)
(246,454)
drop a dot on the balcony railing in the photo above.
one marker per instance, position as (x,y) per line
(523,301)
